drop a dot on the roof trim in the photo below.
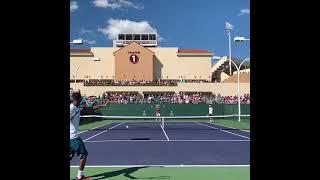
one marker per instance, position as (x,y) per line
(79,50)
(130,44)
(193,51)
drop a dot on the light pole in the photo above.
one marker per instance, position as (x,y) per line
(76,42)
(229,28)
(75,77)
(238,71)
(240,39)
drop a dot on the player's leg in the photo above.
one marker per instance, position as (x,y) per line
(72,152)
(82,153)
(158,114)
(82,162)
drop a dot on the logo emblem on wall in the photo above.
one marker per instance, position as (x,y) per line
(134,59)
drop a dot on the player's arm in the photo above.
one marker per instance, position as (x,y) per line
(94,108)
(72,113)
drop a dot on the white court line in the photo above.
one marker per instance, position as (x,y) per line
(205,125)
(102,132)
(94,128)
(173,166)
(235,134)
(229,127)
(182,140)
(165,133)
(223,130)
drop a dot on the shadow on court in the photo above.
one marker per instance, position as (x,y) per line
(126,173)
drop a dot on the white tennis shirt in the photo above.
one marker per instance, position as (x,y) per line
(74,121)
(210,110)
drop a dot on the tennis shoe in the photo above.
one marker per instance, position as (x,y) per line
(83,178)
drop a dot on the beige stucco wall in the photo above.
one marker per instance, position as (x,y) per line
(225,89)
(242,71)
(126,70)
(223,76)
(188,67)
(166,64)
(94,69)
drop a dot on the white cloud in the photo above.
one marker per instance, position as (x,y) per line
(160,39)
(89,42)
(130,4)
(85,31)
(101,3)
(74,6)
(118,26)
(244,11)
(87,34)
(116,4)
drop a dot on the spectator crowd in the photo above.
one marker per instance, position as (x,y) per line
(244,99)
(108,82)
(164,98)
(97,82)
(173,98)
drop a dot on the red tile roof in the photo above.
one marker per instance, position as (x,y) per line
(192,51)
(80,50)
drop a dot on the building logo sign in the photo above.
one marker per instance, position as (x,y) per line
(134,59)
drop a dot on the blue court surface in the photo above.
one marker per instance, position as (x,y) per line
(179,143)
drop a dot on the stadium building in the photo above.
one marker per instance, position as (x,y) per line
(137,58)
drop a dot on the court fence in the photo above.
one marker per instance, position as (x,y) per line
(171,109)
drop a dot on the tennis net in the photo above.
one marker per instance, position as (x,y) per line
(97,122)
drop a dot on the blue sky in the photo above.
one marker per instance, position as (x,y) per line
(196,24)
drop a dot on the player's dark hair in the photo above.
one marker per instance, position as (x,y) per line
(76,95)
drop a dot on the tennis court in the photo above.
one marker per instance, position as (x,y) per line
(132,145)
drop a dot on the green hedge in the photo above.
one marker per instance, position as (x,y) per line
(177,109)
